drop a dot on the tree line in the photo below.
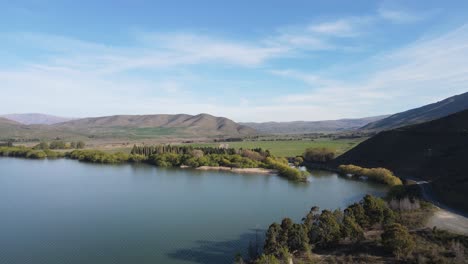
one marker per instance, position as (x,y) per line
(170,156)
(59,144)
(325,229)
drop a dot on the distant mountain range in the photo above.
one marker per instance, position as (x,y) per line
(422,114)
(302,127)
(129,127)
(436,150)
(40,126)
(36,119)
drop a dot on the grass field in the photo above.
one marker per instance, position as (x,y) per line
(294,147)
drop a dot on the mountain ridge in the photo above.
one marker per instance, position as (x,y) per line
(132,126)
(322,126)
(421,114)
(435,151)
(36,118)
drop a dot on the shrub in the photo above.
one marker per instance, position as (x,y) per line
(376,174)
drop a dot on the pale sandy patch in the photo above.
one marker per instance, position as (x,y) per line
(239,170)
(449,221)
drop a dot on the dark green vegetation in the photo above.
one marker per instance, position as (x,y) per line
(375,174)
(422,114)
(301,127)
(435,151)
(369,227)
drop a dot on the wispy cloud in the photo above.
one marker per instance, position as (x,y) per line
(343,27)
(156,72)
(429,67)
(400,16)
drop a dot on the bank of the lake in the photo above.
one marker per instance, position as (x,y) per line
(57,211)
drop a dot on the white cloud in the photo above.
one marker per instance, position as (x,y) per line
(420,73)
(80,78)
(341,27)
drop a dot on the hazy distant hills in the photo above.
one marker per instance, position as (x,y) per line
(202,124)
(8,122)
(422,114)
(301,127)
(436,150)
(130,127)
(34,118)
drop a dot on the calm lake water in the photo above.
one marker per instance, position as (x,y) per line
(64,211)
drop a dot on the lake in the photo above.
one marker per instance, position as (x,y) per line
(65,211)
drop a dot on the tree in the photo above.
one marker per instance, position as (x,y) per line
(57,144)
(375,209)
(351,229)
(357,211)
(398,240)
(273,243)
(298,161)
(329,230)
(72,144)
(297,238)
(267,259)
(286,226)
(319,154)
(43,145)
(80,145)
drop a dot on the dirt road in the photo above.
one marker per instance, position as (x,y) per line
(446,220)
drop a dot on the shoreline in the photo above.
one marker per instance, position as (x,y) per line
(237,170)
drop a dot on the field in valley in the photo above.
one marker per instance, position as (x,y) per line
(291,148)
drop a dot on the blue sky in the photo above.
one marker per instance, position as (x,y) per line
(246,60)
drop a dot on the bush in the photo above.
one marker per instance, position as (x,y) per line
(284,169)
(267,259)
(376,174)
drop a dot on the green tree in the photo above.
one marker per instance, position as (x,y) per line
(319,154)
(286,226)
(273,243)
(357,211)
(351,229)
(374,208)
(329,230)
(267,259)
(398,240)
(297,238)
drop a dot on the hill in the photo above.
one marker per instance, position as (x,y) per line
(436,151)
(422,114)
(38,119)
(181,124)
(129,127)
(8,122)
(303,127)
